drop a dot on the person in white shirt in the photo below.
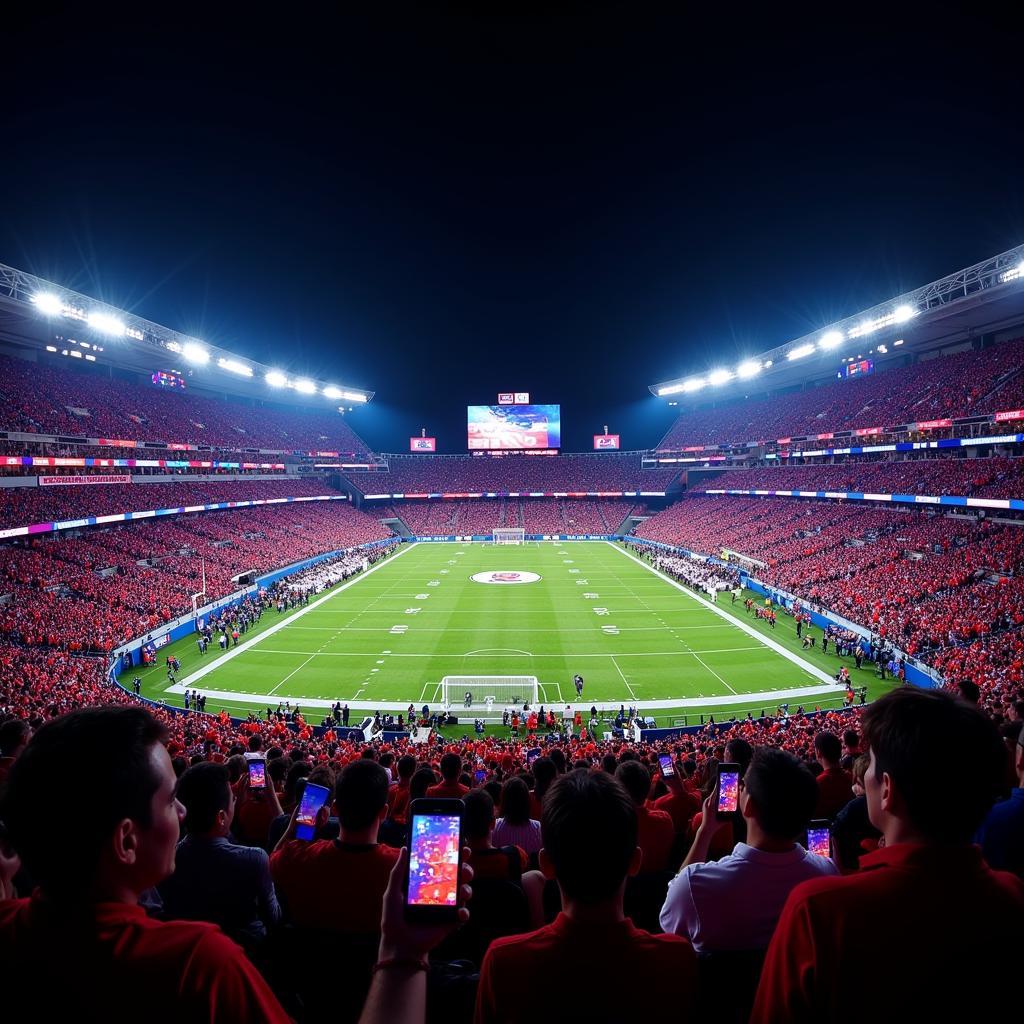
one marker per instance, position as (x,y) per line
(735,903)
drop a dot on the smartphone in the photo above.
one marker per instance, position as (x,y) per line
(313,798)
(728,787)
(480,775)
(668,769)
(819,838)
(435,861)
(257,773)
(533,754)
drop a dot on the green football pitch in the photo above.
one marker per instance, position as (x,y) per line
(386,639)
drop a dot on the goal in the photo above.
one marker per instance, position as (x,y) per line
(508,535)
(490,694)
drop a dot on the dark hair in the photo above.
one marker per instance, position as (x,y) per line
(558,757)
(850,738)
(406,766)
(451,765)
(589,832)
(783,790)
(360,792)
(740,752)
(544,773)
(636,778)
(205,790)
(421,781)
(827,745)
(110,746)
(609,764)
(13,733)
(906,729)
(478,815)
(515,801)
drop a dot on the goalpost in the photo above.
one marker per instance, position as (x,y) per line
(489,694)
(508,535)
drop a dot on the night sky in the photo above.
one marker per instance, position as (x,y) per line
(440,206)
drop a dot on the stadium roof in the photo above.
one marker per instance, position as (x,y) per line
(980,299)
(27,302)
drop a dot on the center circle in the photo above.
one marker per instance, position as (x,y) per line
(504,578)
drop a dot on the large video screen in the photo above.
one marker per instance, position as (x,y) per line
(509,427)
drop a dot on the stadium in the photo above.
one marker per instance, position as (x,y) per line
(239,576)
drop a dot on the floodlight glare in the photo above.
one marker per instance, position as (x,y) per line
(47,303)
(800,352)
(671,389)
(830,339)
(717,377)
(902,314)
(751,368)
(234,366)
(330,391)
(195,353)
(276,379)
(105,323)
(352,396)
(694,384)
(307,387)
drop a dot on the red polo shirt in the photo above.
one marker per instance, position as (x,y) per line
(530,978)
(950,924)
(398,801)
(448,789)
(680,807)
(655,834)
(116,964)
(333,885)
(835,791)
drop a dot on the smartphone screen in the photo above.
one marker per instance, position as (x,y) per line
(818,839)
(257,774)
(434,861)
(532,755)
(668,769)
(479,775)
(313,798)
(728,788)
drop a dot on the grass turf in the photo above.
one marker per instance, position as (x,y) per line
(667,646)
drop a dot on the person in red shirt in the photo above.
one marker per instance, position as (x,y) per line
(679,803)
(398,794)
(590,849)
(92,858)
(337,885)
(833,783)
(655,831)
(941,928)
(449,786)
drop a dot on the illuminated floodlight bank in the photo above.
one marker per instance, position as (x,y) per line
(105,323)
(799,352)
(717,377)
(831,339)
(305,386)
(747,369)
(47,303)
(276,379)
(234,366)
(330,391)
(195,353)
(352,396)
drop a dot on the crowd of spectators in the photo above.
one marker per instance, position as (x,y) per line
(964,384)
(41,399)
(433,474)
(106,586)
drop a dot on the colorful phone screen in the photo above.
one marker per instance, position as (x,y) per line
(818,842)
(728,792)
(257,775)
(667,767)
(434,861)
(313,798)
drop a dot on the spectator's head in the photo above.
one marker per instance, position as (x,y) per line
(609,763)
(970,691)
(406,767)
(739,751)
(421,781)
(860,769)
(589,832)
(451,765)
(14,736)
(361,798)
(209,802)
(119,833)
(778,795)
(636,780)
(905,730)
(851,741)
(515,801)
(828,749)
(478,817)
(544,773)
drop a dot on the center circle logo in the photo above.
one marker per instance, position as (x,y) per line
(504,578)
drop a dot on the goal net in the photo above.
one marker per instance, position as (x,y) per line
(508,535)
(488,696)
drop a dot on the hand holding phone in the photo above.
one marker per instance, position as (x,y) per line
(668,769)
(257,774)
(314,798)
(728,788)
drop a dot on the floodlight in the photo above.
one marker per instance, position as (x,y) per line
(800,352)
(830,339)
(902,314)
(330,391)
(897,342)
(882,349)
(276,379)
(195,353)
(90,357)
(767,364)
(671,389)
(74,352)
(105,323)
(352,396)
(51,348)
(47,303)
(750,368)
(717,377)
(234,366)
(307,387)
(694,384)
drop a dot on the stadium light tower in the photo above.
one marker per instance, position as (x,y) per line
(47,303)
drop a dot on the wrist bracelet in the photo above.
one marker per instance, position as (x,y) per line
(408,962)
